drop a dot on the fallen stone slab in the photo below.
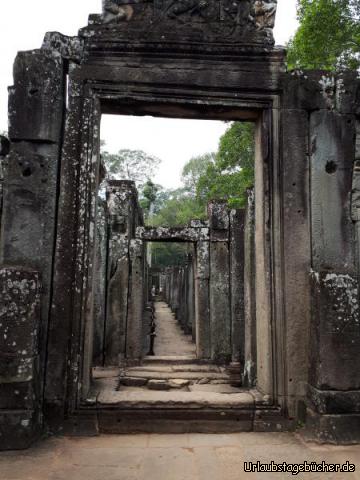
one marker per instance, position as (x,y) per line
(179,383)
(133,381)
(158,385)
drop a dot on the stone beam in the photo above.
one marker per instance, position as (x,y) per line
(173,234)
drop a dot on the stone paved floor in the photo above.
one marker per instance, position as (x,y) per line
(169,457)
(170,339)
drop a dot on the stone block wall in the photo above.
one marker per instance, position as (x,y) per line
(20,378)
(31,177)
(333,383)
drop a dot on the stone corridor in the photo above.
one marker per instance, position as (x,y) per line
(170,339)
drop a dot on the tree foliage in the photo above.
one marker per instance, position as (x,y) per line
(232,171)
(133,165)
(169,254)
(328,36)
(195,168)
(148,197)
(178,209)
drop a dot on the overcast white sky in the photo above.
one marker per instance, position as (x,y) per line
(22,27)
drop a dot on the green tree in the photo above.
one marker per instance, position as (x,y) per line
(165,254)
(194,169)
(148,196)
(232,172)
(328,36)
(133,165)
(178,209)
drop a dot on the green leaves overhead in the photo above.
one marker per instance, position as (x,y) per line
(231,172)
(328,36)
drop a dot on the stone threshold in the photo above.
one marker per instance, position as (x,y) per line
(121,419)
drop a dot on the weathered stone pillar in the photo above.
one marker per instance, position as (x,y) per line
(334,379)
(237,225)
(297,251)
(249,377)
(183,299)
(100,281)
(202,300)
(355,200)
(176,290)
(124,218)
(36,112)
(20,379)
(134,328)
(190,299)
(220,312)
(4,151)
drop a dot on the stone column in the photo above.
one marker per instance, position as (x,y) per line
(20,379)
(100,282)
(121,201)
(134,328)
(202,300)
(237,224)
(220,313)
(36,113)
(297,258)
(334,380)
(190,300)
(4,151)
(249,376)
(355,200)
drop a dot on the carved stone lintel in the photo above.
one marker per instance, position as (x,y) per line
(224,18)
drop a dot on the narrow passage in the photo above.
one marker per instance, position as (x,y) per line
(170,339)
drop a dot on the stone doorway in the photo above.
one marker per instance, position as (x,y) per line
(213,63)
(219,332)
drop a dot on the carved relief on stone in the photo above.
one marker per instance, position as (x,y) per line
(265,13)
(219,19)
(115,11)
(177,8)
(238,12)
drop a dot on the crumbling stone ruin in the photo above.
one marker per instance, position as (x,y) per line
(275,287)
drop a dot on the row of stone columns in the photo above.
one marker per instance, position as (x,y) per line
(215,280)
(118,288)
(179,293)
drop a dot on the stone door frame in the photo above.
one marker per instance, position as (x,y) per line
(182,235)
(71,307)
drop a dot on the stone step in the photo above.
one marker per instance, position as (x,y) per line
(166,375)
(194,368)
(148,399)
(170,360)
